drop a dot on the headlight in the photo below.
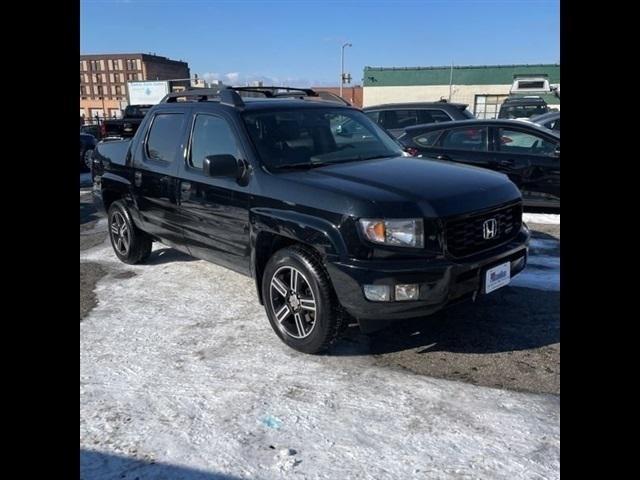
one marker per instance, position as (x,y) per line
(400,233)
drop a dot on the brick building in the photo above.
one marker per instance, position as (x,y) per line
(103,79)
(353,94)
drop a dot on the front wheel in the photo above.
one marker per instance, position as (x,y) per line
(130,244)
(300,301)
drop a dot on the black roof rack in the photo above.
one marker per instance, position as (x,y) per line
(230,96)
(272,91)
(224,95)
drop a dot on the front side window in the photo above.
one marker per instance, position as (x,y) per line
(466,138)
(308,137)
(212,135)
(395,119)
(164,137)
(514,141)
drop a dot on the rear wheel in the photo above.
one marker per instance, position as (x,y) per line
(299,300)
(88,157)
(130,244)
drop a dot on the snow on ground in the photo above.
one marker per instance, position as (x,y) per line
(85,179)
(543,267)
(546,218)
(179,367)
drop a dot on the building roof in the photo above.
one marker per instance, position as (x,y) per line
(143,56)
(462,74)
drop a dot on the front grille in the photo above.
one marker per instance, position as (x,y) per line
(465,235)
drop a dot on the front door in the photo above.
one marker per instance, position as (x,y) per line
(535,160)
(467,145)
(214,211)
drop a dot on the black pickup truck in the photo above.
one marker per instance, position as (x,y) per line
(334,228)
(128,124)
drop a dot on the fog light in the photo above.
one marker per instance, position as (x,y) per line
(409,291)
(377,293)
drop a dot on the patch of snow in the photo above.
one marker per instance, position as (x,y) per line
(85,179)
(546,218)
(543,267)
(179,364)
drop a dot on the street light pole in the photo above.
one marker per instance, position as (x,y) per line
(342,68)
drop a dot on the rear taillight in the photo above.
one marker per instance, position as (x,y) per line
(412,151)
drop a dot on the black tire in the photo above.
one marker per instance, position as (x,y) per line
(88,158)
(83,165)
(130,244)
(326,323)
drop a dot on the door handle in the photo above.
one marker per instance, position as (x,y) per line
(443,157)
(506,163)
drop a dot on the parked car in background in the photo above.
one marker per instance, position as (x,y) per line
(331,228)
(92,129)
(522,107)
(396,117)
(128,124)
(87,145)
(549,120)
(527,153)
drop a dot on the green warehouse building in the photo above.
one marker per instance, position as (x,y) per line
(483,88)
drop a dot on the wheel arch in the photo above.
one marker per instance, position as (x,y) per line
(272,230)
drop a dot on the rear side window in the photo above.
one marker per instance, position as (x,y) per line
(164,136)
(427,139)
(467,113)
(466,138)
(433,116)
(212,135)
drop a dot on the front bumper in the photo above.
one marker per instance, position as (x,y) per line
(442,281)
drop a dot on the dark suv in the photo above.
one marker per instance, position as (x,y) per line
(522,107)
(331,227)
(395,117)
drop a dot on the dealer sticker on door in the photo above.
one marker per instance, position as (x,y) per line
(497,277)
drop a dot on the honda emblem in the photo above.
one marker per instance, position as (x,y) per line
(490,229)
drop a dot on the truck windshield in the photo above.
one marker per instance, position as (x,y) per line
(304,138)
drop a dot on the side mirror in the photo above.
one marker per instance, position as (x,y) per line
(222,166)
(556,152)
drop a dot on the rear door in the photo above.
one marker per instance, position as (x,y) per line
(155,170)
(532,161)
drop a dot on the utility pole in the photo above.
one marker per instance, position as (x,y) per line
(342,67)
(450,80)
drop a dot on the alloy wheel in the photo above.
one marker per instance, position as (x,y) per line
(293,302)
(120,236)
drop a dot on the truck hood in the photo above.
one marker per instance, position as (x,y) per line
(400,184)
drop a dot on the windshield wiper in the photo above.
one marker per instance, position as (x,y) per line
(373,157)
(320,163)
(301,166)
